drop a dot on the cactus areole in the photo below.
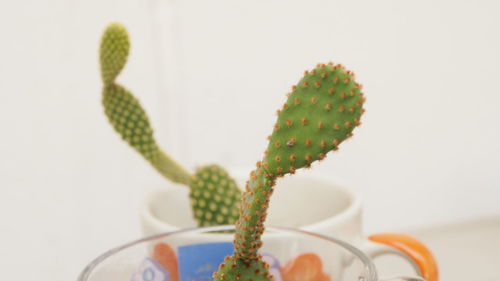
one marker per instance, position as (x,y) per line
(321,112)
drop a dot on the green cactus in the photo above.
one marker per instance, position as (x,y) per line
(235,269)
(320,113)
(130,120)
(214,194)
(113,54)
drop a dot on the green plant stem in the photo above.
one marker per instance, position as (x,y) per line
(170,169)
(253,212)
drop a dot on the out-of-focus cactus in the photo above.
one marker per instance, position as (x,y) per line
(131,122)
(213,192)
(320,113)
(214,195)
(113,54)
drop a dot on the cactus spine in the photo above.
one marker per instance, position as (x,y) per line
(214,194)
(320,113)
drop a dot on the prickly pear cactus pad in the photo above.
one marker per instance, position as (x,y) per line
(129,119)
(113,53)
(214,196)
(320,113)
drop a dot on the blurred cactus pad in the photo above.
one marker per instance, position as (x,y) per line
(214,194)
(320,113)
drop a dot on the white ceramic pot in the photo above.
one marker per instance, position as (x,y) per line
(314,204)
(309,203)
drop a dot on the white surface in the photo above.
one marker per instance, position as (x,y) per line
(337,211)
(464,251)
(430,136)
(427,153)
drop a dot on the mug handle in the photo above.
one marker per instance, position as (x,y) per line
(412,248)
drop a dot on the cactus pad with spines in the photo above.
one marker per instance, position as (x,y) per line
(130,120)
(320,113)
(114,51)
(214,196)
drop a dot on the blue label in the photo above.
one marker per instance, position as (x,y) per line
(199,261)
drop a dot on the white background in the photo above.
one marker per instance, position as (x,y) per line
(211,74)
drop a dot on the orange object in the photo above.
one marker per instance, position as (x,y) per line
(165,256)
(306,267)
(415,249)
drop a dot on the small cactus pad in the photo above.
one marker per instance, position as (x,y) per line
(214,196)
(320,113)
(114,50)
(234,269)
(130,120)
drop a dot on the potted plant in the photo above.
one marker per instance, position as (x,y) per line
(321,112)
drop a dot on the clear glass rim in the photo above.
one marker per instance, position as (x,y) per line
(369,267)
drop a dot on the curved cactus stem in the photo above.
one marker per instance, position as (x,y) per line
(246,263)
(253,212)
(170,169)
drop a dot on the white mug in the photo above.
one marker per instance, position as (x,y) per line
(314,204)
